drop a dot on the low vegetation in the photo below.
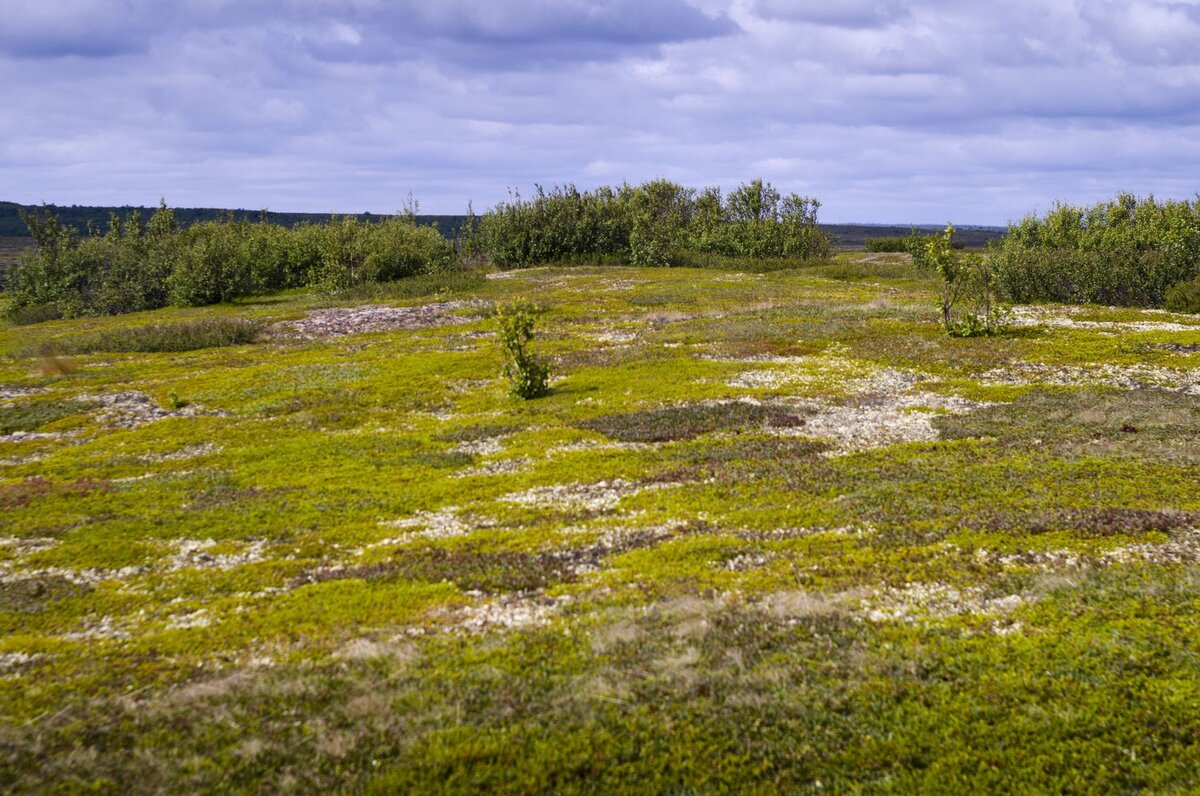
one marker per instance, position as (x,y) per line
(155,337)
(801,522)
(1184,297)
(768,532)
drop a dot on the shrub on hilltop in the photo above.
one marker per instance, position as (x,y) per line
(657,223)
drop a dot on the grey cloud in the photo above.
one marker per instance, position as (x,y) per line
(846,13)
(916,112)
(86,28)
(558,30)
(509,34)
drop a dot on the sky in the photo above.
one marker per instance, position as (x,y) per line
(887,111)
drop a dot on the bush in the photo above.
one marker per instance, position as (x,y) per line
(658,223)
(892,244)
(33,313)
(659,213)
(556,226)
(970,278)
(530,378)
(1184,297)
(1127,252)
(136,266)
(120,271)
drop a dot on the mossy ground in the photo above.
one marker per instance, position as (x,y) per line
(768,532)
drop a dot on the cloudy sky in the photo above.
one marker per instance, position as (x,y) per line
(887,110)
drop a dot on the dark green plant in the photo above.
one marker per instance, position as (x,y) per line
(888,244)
(1184,297)
(660,211)
(514,327)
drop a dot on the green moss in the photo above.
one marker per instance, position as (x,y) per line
(360,564)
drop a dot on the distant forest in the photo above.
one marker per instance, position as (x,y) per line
(78,216)
(11,225)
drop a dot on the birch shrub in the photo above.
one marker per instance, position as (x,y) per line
(1126,252)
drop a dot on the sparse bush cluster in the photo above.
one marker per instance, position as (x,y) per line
(657,223)
(138,265)
(968,297)
(1127,252)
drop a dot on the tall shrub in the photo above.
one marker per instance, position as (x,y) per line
(1126,251)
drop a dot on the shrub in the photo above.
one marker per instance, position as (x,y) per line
(658,223)
(120,271)
(1184,297)
(34,313)
(136,266)
(969,277)
(659,213)
(211,265)
(530,378)
(887,244)
(556,226)
(1127,252)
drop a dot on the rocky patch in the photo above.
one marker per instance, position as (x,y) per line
(342,321)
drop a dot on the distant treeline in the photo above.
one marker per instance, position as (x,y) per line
(80,217)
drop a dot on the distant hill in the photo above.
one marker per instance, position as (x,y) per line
(850,236)
(78,216)
(855,236)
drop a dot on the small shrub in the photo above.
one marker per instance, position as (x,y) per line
(530,378)
(970,277)
(1184,297)
(890,244)
(34,313)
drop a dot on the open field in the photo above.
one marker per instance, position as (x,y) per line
(768,532)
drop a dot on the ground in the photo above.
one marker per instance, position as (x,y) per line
(768,532)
